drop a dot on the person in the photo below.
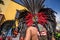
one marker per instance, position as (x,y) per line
(32,32)
(0,35)
(9,35)
(6,29)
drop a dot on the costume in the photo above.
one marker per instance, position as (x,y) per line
(35,15)
(26,19)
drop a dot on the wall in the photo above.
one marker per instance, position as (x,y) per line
(9,9)
(4,7)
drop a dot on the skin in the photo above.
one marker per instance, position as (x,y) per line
(32,32)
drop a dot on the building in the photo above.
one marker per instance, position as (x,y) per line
(9,9)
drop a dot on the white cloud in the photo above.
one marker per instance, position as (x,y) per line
(58,16)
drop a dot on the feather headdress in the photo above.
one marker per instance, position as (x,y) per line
(32,5)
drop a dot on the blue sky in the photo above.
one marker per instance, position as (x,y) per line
(54,4)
